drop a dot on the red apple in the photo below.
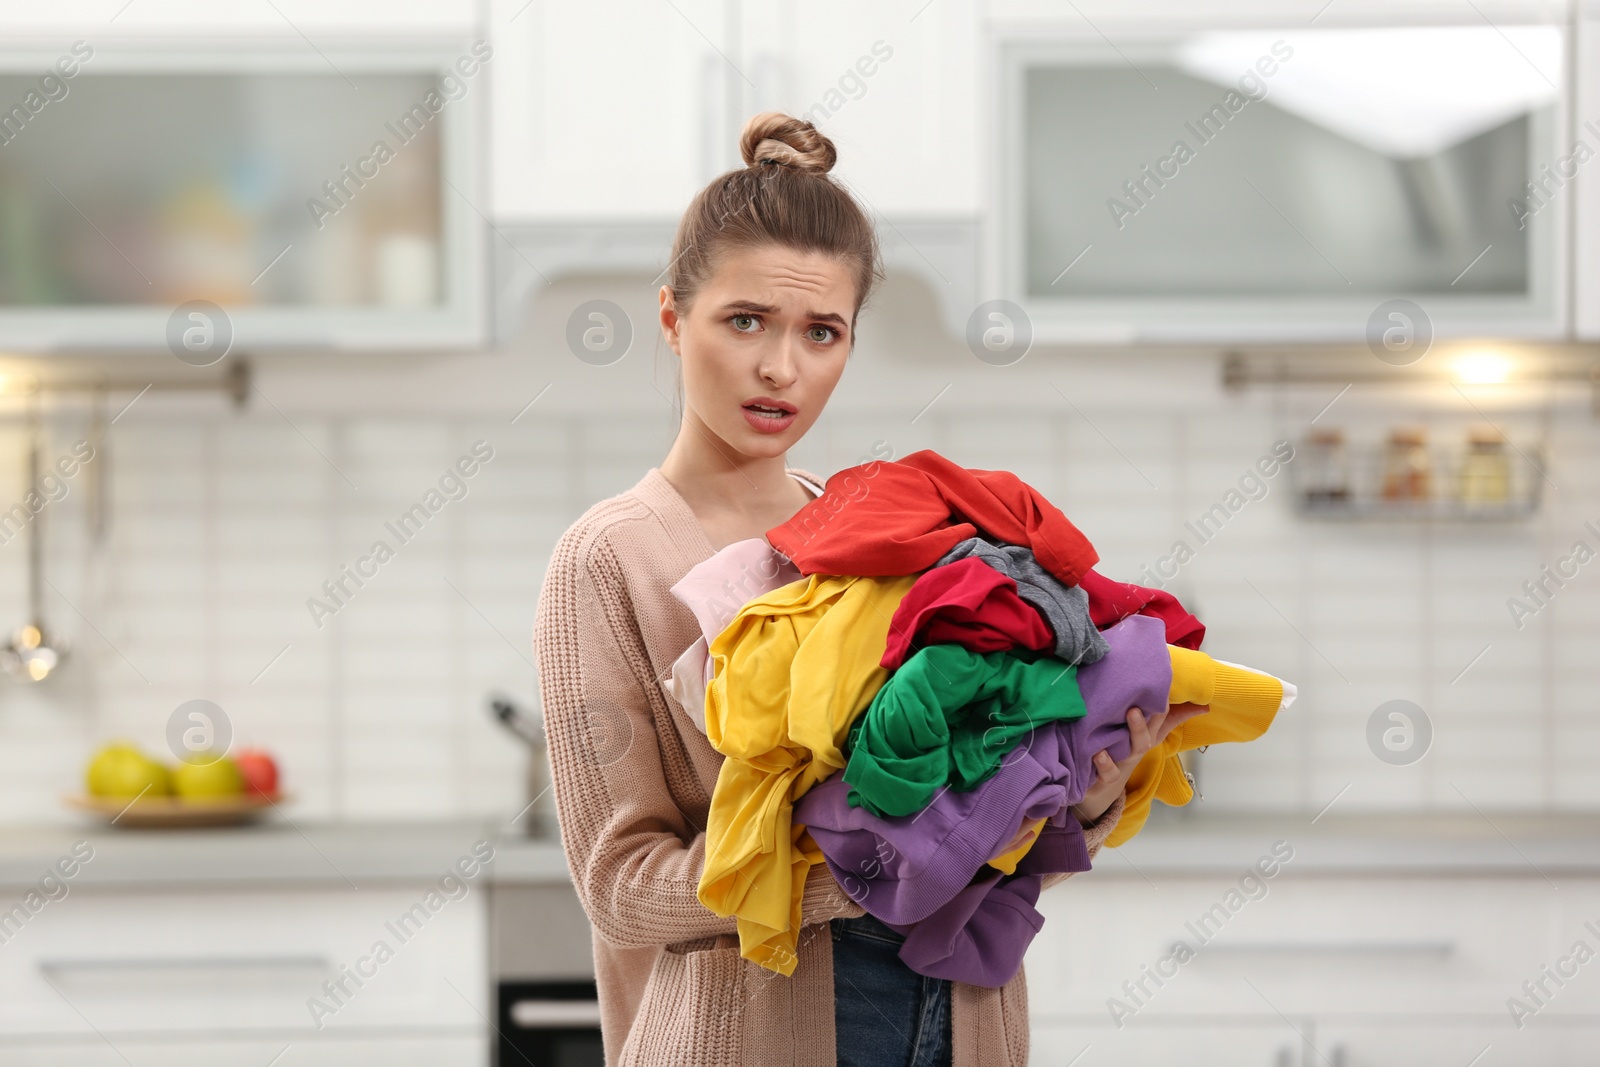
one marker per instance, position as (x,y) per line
(260,771)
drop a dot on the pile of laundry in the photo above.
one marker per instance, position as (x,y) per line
(909,681)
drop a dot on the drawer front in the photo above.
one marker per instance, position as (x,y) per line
(421,1051)
(309,961)
(1306,945)
(1160,1043)
(1566,1044)
(1198,1042)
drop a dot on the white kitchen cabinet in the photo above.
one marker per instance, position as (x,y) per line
(1413,1044)
(1112,15)
(895,87)
(1142,193)
(1195,1043)
(1370,971)
(390,1051)
(180,19)
(1584,183)
(1301,1041)
(895,90)
(1310,945)
(178,199)
(238,971)
(612,110)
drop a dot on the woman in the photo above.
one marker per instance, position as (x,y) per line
(770,266)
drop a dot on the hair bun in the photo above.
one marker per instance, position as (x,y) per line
(773,138)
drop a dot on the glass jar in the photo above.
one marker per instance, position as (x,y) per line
(1407,470)
(1486,470)
(1326,469)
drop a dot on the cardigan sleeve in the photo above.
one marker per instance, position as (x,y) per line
(635,858)
(1094,835)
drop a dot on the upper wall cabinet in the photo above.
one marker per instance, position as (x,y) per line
(894,85)
(607,111)
(312,23)
(242,190)
(627,108)
(1259,175)
(1576,168)
(610,117)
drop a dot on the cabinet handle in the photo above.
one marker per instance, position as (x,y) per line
(66,967)
(1351,948)
(547,1014)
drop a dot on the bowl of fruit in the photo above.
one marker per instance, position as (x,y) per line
(130,788)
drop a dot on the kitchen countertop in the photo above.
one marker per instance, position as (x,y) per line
(280,852)
(1174,841)
(1505,843)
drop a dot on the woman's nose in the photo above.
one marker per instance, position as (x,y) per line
(778,364)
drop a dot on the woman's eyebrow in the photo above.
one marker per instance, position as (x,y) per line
(764,309)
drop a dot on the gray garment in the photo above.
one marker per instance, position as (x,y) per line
(1065,608)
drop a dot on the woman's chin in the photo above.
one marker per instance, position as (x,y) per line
(764,444)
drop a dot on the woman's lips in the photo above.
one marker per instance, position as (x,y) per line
(768,421)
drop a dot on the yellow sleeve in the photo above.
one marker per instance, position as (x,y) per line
(1006,862)
(1243,704)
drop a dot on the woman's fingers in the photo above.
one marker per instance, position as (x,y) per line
(1017,839)
(1178,714)
(1161,727)
(1138,731)
(1144,733)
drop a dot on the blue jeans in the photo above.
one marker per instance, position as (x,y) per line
(884,1013)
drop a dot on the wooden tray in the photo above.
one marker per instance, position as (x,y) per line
(170,811)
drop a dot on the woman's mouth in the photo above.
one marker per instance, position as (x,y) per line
(769,418)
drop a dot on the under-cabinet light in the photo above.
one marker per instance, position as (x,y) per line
(1482,368)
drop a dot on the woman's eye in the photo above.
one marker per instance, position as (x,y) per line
(827,333)
(739,320)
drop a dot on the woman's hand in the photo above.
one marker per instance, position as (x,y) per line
(1144,735)
(1025,833)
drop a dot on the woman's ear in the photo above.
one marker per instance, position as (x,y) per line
(671,325)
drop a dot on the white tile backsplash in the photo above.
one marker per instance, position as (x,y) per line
(221,529)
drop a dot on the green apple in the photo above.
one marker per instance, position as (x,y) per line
(204,775)
(121,770)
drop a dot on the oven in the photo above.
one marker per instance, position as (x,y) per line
(548,1023)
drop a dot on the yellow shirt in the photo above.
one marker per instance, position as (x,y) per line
(791,672)
(1243,704)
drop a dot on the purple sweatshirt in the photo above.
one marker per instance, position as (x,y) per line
(916,872)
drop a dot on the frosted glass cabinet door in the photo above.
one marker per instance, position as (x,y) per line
(315,203)
(1271,183)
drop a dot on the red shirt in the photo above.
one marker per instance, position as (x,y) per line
(880,519)
(968,603)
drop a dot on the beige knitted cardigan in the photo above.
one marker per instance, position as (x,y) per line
(633,781)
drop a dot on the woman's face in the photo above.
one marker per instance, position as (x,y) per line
(763,345)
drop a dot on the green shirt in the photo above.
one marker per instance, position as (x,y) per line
(949,716)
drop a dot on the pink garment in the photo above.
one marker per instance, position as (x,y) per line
(715,589)
(712,590)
